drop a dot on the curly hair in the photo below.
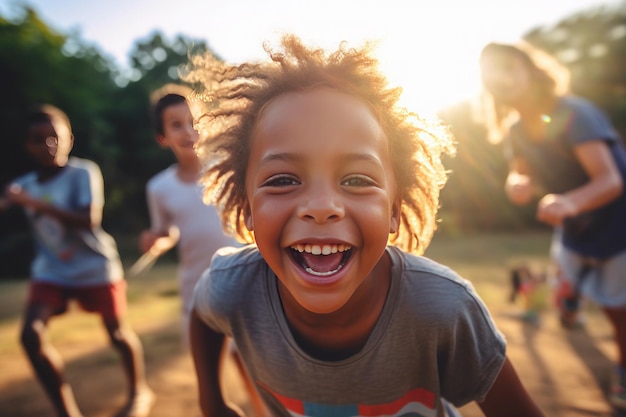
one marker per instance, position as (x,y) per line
(240,92)
(549,79)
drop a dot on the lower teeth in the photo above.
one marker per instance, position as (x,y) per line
(322,274)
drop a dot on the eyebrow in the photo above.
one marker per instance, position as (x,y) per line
(293,157)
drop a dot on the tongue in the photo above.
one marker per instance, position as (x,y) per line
(323,263)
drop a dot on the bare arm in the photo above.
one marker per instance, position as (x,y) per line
(158,243)
(605,184)
(518,187)
(206,350)
(508,397)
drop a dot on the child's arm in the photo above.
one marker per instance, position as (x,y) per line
(206,351)
(5,201)
(508,397)
(518,186)
(81,219)
(161,236)
(605,184)
(157,243)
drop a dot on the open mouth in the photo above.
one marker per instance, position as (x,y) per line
(321,260)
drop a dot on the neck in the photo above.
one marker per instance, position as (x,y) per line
(45,173)
(343,333)
(188,171)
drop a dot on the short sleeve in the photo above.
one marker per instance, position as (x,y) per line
(90,186)
(586,122)
(471,364)
(211,301)
(159,222)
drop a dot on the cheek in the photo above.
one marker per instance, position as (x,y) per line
(266,215)
(376,217)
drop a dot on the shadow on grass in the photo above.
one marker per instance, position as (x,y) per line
(567,372)
(598,364)
(98,380)
(530,331)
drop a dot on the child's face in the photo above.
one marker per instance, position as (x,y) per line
(506,77)
(49,143)
(178,131)
(321,195)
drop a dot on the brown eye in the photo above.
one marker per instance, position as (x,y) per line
(280,181)
(357,181)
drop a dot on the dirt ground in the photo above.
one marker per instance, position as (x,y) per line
(566,371)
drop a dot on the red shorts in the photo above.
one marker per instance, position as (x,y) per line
(109,300)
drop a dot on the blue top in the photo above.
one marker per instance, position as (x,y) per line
(71,256)
(553,165)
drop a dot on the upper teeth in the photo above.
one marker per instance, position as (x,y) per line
(321,249)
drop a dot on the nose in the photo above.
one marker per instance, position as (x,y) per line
(321,205)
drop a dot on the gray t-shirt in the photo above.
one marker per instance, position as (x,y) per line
(70,256)
(433,340)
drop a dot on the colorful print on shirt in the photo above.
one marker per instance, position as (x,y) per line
(416,403)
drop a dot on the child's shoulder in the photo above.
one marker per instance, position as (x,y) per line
(577,102)
(80,166)
(75,162)
(422,274)
(416,264)
(164,178)
(435,291)
(230,257)
(233,270)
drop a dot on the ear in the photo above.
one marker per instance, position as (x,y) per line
(247,215)
(394,224)
(161,140)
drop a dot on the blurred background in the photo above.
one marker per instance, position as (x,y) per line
(99,61)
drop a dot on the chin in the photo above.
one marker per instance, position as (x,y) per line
(322,304)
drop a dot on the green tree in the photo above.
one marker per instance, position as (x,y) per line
(592,44)
(155,61)
(36,66)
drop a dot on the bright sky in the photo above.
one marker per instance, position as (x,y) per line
(430,48)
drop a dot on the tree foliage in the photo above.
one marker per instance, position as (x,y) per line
(109,109)
(110,112)
(592,44)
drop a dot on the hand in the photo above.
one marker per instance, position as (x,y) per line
(146,240)
(519,188)
(15,194)
(554,208)
(155,243)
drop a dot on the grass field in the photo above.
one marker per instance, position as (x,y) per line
(540,352)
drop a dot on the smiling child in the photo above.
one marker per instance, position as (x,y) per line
(335,186)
